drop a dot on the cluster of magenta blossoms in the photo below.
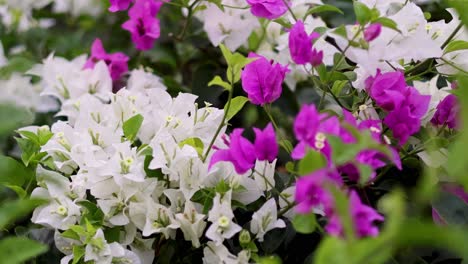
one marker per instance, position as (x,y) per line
(262,80)
(143,24)
(242,153)
(117,63)
(404,104)
(301,46)
(447,113)
(312,191)
(269,9)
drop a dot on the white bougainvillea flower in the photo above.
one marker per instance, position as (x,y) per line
(221,215)
(191,223)
(265,219)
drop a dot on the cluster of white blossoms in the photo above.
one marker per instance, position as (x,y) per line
(135,163)
(392,49)
(18,14)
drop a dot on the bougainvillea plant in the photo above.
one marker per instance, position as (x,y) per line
(231,131)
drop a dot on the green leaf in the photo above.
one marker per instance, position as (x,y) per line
(235,65)
(461,7)
(304,224)
(132,126)
(341,31)
(283,22)
(78,253)
(112,234)
(322,71)
(365,172)
(70,234)
(237,103)
(29,149)
(12,210)
(338,87)
(13,117)
(226,53)
(456,165)
(20,249)
(456,45)
(286,144)
(18,190)
(218,81)
(452,209)
(323,8)
(16,64)
(270,260)
(419,233)
(363,13)
(290,167)
(387,22)
(312,161)
(196,143)
(13,173)
(332,250)
(342,209)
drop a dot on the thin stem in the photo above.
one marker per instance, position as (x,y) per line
(235,7)
(454,33)
(181,35)
(221,125)
(267,109)
(454,66)
(273,188)
(344,53)
(290,10)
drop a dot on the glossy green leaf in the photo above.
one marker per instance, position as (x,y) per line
(387,22)
(237,103)
(363,13)
(312,161)
(16,250)
(304,224)
(132,126)
(13,172)
(323,8)
(456,45)
(12,210)
(196,143)
(218,81)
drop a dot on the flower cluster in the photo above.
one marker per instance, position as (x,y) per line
(128,166)
(18,15)
(404,104)
(138,161)
(142,24)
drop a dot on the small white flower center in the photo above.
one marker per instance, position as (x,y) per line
(62,210)
(224,221)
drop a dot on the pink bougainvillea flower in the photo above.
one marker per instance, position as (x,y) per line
(447,112)
(363,217)
(143,24)
(269,9)
(262,80)
(372,32)
(387,89)
(311,128)
(116,62)
(241,152)
(301,47)
(119,5)
(266,146)
(402,123)
(311,191)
